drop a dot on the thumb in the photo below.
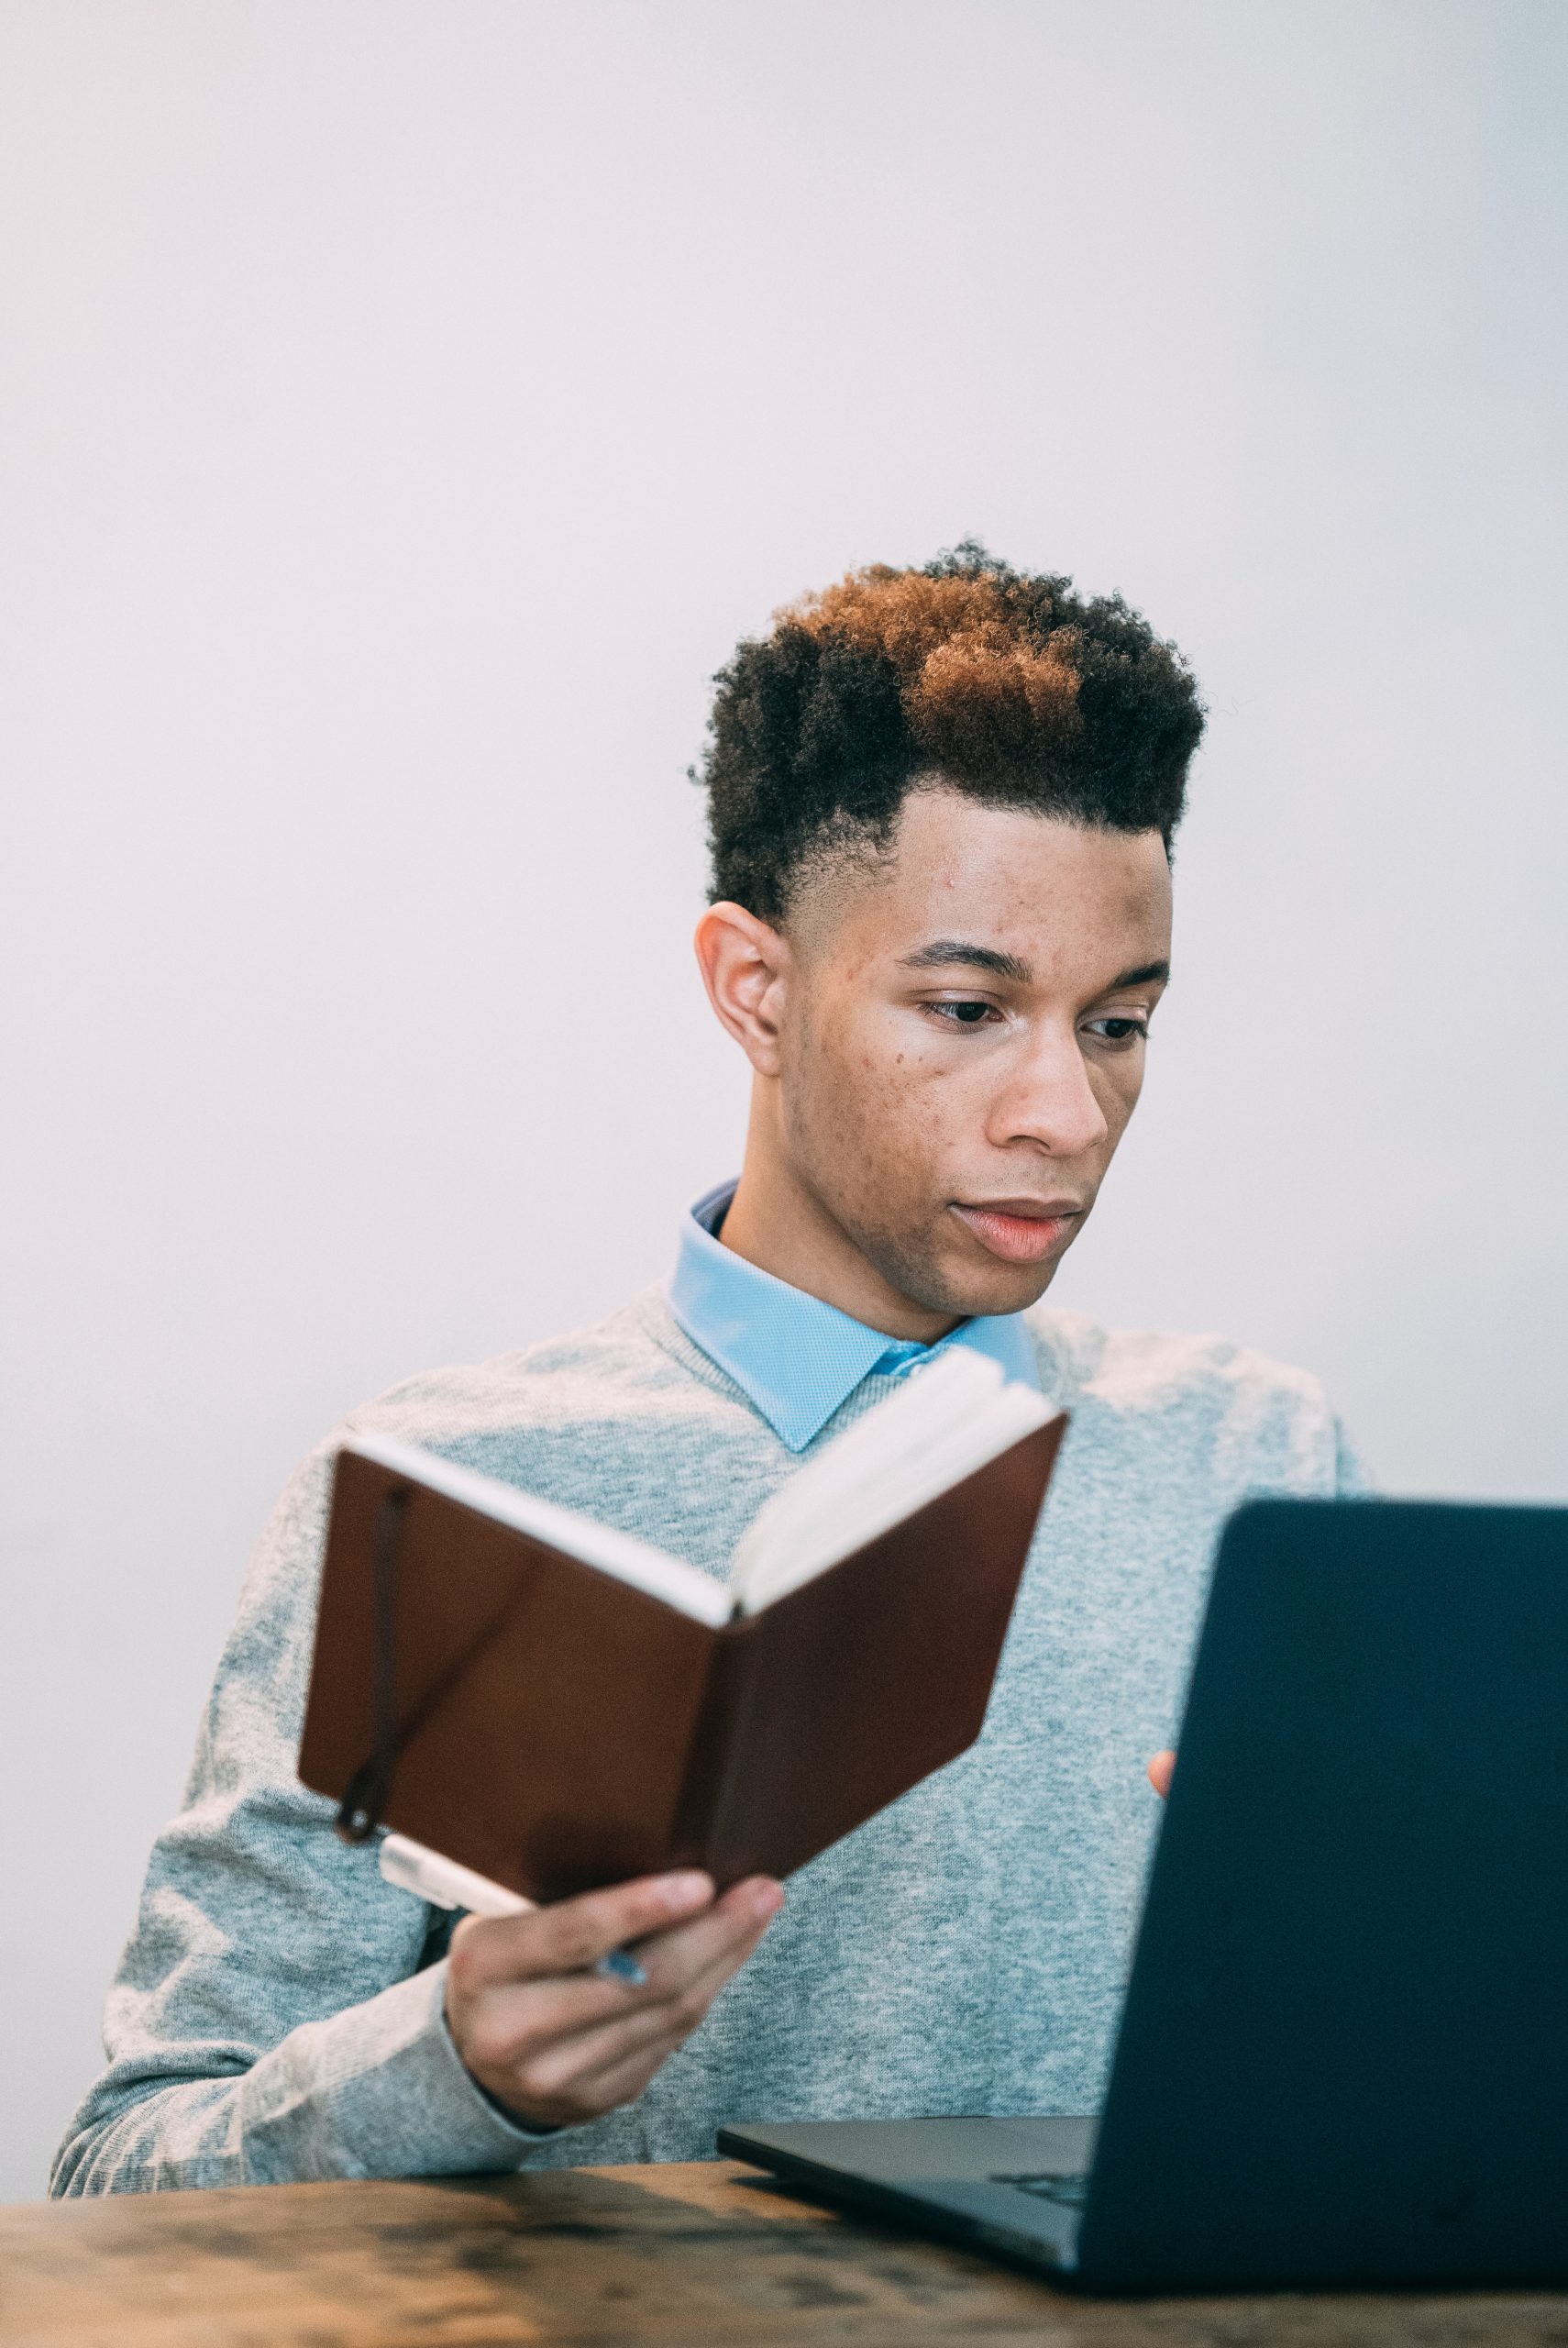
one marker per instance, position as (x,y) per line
(1161,1769)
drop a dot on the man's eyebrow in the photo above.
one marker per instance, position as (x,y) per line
(943,952)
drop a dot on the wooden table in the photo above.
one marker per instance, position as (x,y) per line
(613,2257)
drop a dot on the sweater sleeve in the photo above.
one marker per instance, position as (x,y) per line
(1353,1477)
(279,2012)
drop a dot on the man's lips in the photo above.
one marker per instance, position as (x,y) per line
(1019,1230)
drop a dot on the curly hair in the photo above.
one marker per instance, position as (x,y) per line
(996,682)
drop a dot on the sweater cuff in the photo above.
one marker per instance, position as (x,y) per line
(379,2090)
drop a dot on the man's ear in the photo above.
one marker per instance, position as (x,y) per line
(745,967)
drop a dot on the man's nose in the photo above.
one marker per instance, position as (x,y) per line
(1052,1103)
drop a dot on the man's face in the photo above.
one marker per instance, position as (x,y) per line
(963,1043)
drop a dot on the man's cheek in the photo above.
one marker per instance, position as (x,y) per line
(886,1135)
(925,1130)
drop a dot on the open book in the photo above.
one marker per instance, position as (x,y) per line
(556,1704)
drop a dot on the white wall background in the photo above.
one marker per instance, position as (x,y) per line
(403,407)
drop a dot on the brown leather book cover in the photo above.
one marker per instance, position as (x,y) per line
(556,1728)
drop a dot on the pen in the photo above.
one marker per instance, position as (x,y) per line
(444,1884)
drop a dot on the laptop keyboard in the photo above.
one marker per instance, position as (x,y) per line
(1068,2192)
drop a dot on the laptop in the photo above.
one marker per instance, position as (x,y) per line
(1344,2054)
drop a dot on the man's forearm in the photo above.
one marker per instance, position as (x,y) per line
(377,2090)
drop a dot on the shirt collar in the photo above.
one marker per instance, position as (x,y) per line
(798,1358)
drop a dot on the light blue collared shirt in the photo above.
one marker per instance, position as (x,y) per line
(798,1358)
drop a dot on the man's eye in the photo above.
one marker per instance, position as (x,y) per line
(1119,1031)
(962,1014)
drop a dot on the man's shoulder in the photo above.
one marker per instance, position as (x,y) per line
(615,1367)
(1196,1401)
(1152,1370)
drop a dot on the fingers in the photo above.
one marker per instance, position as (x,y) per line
(574,1934)
(741,1916)
(561,2074)
(563,2082)
(1161,1770)
(658,2018)
(560,2046)
(533,2010)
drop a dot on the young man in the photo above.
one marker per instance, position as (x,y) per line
(941,804)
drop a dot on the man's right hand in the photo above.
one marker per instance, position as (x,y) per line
(556,2044)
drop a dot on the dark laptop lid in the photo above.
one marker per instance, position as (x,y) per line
(1344,2054)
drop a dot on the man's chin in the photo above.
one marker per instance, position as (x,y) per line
(1020,1288)
(976,1292)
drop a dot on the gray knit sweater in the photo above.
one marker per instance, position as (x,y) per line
(278,2014)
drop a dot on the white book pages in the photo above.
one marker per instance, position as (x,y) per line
(858,1461)
(920,1452)
(1014,1412)
(621,1554)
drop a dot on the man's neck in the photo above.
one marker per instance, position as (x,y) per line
(778,1224)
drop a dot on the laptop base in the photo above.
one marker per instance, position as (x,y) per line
(1010,2187)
